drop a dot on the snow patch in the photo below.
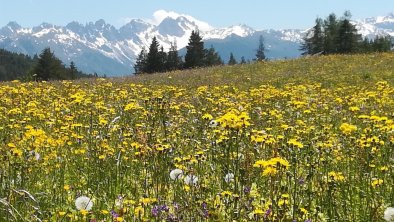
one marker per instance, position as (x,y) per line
(160,15)
(222,33)
(43,32)
(100,41)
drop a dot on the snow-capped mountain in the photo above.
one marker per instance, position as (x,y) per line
(102,48)
(380,25)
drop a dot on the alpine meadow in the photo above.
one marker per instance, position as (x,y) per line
(308,139)
(168,118)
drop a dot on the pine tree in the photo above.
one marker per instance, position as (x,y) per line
(260,55)
(153,59)
(73,70)
(195,51)
(382,44)
(366,45)
(243,61)
(330,33)
(348,40)
(314,40)
(162,65)
(173,59)
(212,58)
(140,63)
(232,60)
(49,67)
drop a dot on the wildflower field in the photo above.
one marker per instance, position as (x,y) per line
(305,140)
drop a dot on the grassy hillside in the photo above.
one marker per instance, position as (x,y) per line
(329,70)
(299,140)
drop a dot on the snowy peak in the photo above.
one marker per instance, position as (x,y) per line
(389,18)
(380,25)
(175,26)
(135,26)
(161,15)
(222,33)
(13,26)
(10,29)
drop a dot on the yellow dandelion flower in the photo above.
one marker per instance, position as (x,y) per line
(347,128)
(376,182)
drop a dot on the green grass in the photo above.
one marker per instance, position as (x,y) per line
(309,139)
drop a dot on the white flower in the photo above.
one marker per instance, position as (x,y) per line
(191,180)
(176,174)
(37,156)
(229,177)
(213,123)
(389,214)
(83,203)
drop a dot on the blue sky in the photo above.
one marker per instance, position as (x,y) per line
(258,14)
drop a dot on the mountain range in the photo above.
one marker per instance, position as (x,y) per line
(99,47)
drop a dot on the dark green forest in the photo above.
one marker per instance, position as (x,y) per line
(43,67)
(15,65)
(340,36)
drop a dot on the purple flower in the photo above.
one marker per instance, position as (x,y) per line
(176,206)
(171,217)
(114,214)
(246,189)
(267,213)
(155,211)
(164,208)
(204,205)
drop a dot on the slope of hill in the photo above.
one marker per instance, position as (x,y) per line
(261,140)
(332,70)
(309,139)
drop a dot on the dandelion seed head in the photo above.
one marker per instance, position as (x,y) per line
(229,177)
(83,203)
(389,214)
(191,180)
(176,174)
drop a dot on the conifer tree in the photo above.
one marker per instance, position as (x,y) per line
(162,60)
(140,64)
(382,44)
(232,60)
(260,55)
(153,59)
(314,41)
(195,51)
(348,40)
(73,70)
(243,61)
(330,33)
(173,59)
(212,58)
(49,67)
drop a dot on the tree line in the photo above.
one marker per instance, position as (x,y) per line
(340,36)
(43,67)
(14,65)
(157,60)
